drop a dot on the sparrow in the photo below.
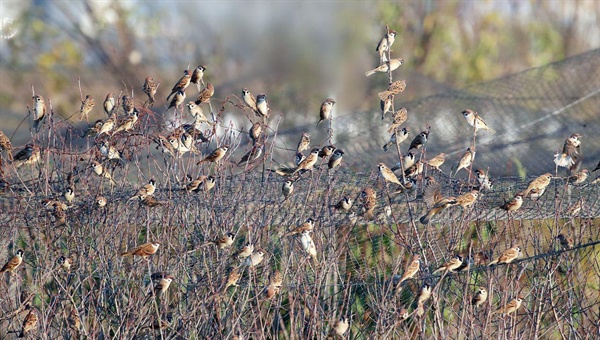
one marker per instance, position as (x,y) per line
(216,155)
(205,95)
(424,294)
(340,327)
(507,256)
(146,190)
(309,225)
(208,183)
(254,260)
(304,142)
(440,205)
(128,123)
(182,143)
(101,201)
(540,183)
(252,155)
(86,107)
(387,174)
(246,251)
(39,112)
(144,250)
(222,242)
(271,291)
(403,314)
(514,204)
(420,140)
(369,200)
(386,66)
(466,160)
(182,84)
(100,171)
(386,105)
(177,100)
(344,204)
(473,119)
(479,297)
(384,45)
(437,161)
(197,76)
(161,286)
(262,105)
(335,159)
(310,161)
(110,152)
(127,103)
(232,278)
(411,270)
(107,126)
(195,185)
(93,130)
(325,112)
(393,89)
(308,244)
(468,199)
(196,112)
(30,154)
(565,241)
(326,151)
(109,104)
(579,177)
(149,88)
(414,170)
(13,263)
(432,192)
(575,209)
(535,194)
(29,323)
(69,194)
(249,99)
(451,265)
(408,160)
(483,179)
(287,188)
(5,143)
(255,132)
(396,138)
(398,118)
(65,263)
(510,307)
(571,153)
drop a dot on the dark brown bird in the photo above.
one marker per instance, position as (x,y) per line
(182,84)
(149,88)
(205,95)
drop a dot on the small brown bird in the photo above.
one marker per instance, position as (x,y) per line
(216,155)
(262,105)
(255,259)
(161,286)
(144,250)
(403,314)
(101,201)
(565,241)
(466,160)
(198,75)
(325,111)
(309,225)
(397,137)
(29,155)
(232,278)
(344,204)
(93,130)
(575,209)
(109,104)
(393,89)
(387,174)
(249,99)
(440,205)
(414,170)
(571,153)
(69,194)
(326,151)
(246,251)
(308,244)
(420,140)
(412,269)
(369,201)
(5,144)
(182,84)
(483,179)
(177,100)
(510,307)
(437,161)
(385,44)
(65,263)
(398,118)
(340,327)
(128,105)
(150,87)
(86,107)
(514,204)
(107,126)
(39,112)
(540,183)
(222,242)
(336,159)
(473,119)
(309,162)
(196,112)
(287,188)
(479,297)
(424,294)
(128,122)
(451,265)
(304,142)
(507,256)
(205,95)
(255,152)
(100,171)
(386,106)
(146,190)
(468,199)
(386,66)
(13,263)
(151,201)
(579,177)
(255,132)
(29,323)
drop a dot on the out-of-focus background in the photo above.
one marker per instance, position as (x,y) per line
(457,54)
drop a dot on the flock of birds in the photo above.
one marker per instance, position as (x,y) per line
(178,139)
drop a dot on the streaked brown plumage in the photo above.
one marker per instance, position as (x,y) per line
(309,225)
(514,204)
(304,142)
(468,199)
(150,87)
(309,162)
(198,75)
(29,323)
(5,144)
(412,269)
(255,132)
(215,156)
(109,104)
(146,190)
(325,111)
(182,84)
(128,105)
(466,160)
(437,161)
(540,183)
(475,120)
(479,297)
(144,250)
(393,89)
(13,263)
(386,66)
(507,256)
(398,118)
(451,265)
(205,95)
(387,174)
(510,307)
(87,105)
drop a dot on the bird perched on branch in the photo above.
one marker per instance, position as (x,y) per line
(468,199)
(386,66)
(5,144)
(437,161)
(93,130)
(198,75)
(205,95)
(308,245)
(514,204)
(30,154)
(344,204)
(507,256)
(336,159)
(570,157)
(396,138)
(39,112)
(262,105)
(65,262)
(249,99)
(128,105)
(412,269)
(287,188)
(13,263)
(150,87)
(539,184)
(340,327)
(160,287)
(232,278)
(326,151)
(101,171)
(129,122)
(510,307)
(144,251)
(255,132)
(325,111)
(109,104)
(386,105)
(182,84)
(483,179)
(29,323)
(309,225)
(384,45)
(393,89)
(107,126)
(387,174)
(86,107)
(479,297)
(177,100)
(246,251)
(475,120)
(451,265)
(369,200)
(146,190)
(440,205)
(398,118)
(222,242)
(466,160)
(252,155)
(216,155)
(420,140)
(309,162)
(304,142)
(579,177)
